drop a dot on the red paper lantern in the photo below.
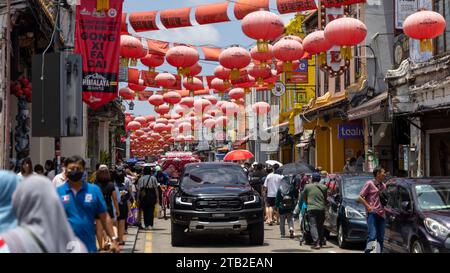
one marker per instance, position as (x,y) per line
(187,102)
(206,117)
(229,108)
(134,125)
(236,93)
(316,43)
(235,58)
(159,127)
(172,97)
(139,133)
(152,61)
(261,108)
(162,109)
(288,50)
(212,99)
(165,80)
(222,73)
(162,120)
(263,26)
(156,100)
(189,139)
(150,118)
(126,93)
(218,85)
(222,122)
(131,47)
(195,85)
(182,57)
(345,32)
(185,127)
(424,24)
(280,66)
(209,123)
(141,120)
(137,87)
(262,56)
(194,70)
(201,105)
(260,72)
(155,136)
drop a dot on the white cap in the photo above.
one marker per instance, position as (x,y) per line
(103,166)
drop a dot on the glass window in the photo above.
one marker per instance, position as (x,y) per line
(433,197)
(403,196)
(337,82)
(352,186)
(442,43)
(392,196)
(214,174)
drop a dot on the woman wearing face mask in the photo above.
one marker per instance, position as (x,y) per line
(42,223)
(8,184)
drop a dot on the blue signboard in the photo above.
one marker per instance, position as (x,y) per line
(303,66)
(351,131)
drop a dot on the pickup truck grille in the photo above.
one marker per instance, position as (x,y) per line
(218,204)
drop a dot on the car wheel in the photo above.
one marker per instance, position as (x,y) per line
(178,236)
(341,238)
(256,233)
(417,247)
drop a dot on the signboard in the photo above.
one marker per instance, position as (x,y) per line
(403,8)
(350,131)
(301,74)
(98,41)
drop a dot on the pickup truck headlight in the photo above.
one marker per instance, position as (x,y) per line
(352,213)
(250,199)
(435,228)
(185,201)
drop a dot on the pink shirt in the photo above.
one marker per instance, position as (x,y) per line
(370,193)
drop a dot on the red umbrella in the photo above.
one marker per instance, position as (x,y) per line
(238,155)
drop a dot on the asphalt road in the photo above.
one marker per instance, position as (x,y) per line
(158,241)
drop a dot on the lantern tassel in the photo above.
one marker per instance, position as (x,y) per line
(133,62)
(426,45)
(262,46)
(346,53)
(102,5)
(190,79)
(287,66)
(124,61)
(235,73)
(191,93)
(322,58)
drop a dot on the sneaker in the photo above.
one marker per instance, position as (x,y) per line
(291,234)
(317,247)
(283,236)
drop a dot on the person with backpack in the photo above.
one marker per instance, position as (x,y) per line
(148,196)
(124,192)
(257,177)
(315,196)
(285,204)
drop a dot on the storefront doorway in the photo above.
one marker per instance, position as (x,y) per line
(438,152)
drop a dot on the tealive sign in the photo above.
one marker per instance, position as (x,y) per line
(347,131)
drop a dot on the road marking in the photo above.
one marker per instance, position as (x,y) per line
(148,246)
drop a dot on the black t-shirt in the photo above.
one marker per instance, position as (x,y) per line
(107,190)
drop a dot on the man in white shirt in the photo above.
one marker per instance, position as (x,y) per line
(271,185)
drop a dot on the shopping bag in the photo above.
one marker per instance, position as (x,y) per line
(132,214)
(155,212)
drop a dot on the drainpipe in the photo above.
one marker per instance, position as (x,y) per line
(5,86)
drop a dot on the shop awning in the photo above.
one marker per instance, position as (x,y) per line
(368,108)
(327,101)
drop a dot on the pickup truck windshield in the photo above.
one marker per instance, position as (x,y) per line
(216,175)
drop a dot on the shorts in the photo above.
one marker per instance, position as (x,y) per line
(123,210)
(271,201)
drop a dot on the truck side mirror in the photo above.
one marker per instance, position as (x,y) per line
(406,207)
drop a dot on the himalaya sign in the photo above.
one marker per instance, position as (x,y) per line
(348,131)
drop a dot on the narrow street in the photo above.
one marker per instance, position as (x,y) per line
(158,241)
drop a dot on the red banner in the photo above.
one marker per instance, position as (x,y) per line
(172,18)
(288,6)
(157,47)
(211,53)
(98,41)
(143,21)
(210,14)
(244,7)
(338,3)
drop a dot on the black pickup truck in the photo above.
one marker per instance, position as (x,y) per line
(215,197)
